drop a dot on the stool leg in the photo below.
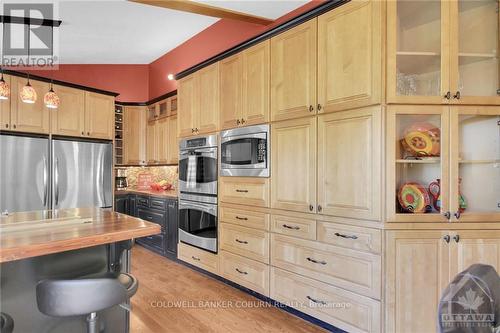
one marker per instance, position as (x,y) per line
(92,323)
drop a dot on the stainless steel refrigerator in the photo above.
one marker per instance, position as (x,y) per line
(38,173)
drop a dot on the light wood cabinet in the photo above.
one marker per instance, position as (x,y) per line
(199,258)
(157,140)
(5,107)
(151,143)
(294,226)
(246,272)
(293,72)
(69,117)
(134,135)
(173,144)
(293,165)
(351,237)
(198,96)
(99,115)
(247,242)
(350,56)
(350,163)
(244,190)
(472,247)
(24,117)
(244,218)
(244,79)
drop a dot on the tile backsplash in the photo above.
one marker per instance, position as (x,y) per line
(168,173)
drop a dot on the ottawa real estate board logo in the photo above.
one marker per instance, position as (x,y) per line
(29,43)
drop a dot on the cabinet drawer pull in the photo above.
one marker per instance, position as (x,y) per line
(293,227)
(195,258)
(316,261)
(346,236)
(240,241)
(149,217)
(316,300)
(241,272)
(241,218)
(241,191)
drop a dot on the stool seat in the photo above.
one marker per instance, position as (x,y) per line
(6,323)
(128,281)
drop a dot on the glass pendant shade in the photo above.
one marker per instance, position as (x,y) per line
(4,89)
(28,94)
(51,100)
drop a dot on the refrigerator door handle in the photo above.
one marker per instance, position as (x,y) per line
(102,182)
(45,182)
(56,182)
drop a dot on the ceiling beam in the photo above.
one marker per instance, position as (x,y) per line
(206,10)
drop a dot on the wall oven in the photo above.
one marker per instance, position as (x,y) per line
(198,224)
(244,152)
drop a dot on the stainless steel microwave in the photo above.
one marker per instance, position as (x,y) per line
(244,152)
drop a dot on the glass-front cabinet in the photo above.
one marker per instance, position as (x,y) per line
(443,52)
(475,163)
(417,163)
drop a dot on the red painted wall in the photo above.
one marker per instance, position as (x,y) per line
(217,38)
(130,81)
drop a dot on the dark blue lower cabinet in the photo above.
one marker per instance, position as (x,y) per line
(172,227)
(122,204)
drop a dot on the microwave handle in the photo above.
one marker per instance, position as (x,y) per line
(261,135)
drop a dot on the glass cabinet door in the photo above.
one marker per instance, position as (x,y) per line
(418,54)
(152,112)
(475,176)
(173,105)
(163,108)
(475,47)
(417,165)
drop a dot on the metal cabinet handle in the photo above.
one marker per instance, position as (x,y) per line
(316,261)
(446,238)
(456,238)
(345,236)
(241,272)
(320,208)
(237,121)
(241,191)
(311,108)
(319,107)
(316,300)
(195,258)
(6,125)
(457,95)
(14,126)
(447,215)
(311,208)
(241,218)
(88,133)
(447,95)
(457,214)
(197,130)
(293,227)
(242,121)
(240,241)
(192,130)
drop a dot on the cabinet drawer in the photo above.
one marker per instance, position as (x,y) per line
(245,191)
(351,237)
(151,216)
(346,310)
(293,226)
(353,270)
(247,242)
(246,272)
(199,258)
(244,218)
(157,203)
(155,241)
(143,201)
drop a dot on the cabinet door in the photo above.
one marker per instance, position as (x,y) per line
(256,84)
(26,117)
(163,108)
(188,91)
(474,247)
(99,115)
(173,144)
(69,117)
(121,204)
(152,112)
(417,167)
(475,163)
(418,55)
(207,117)
(151,143)
(293,165)
(173,106)
(231,84)
(293,72)
(5,106)
(417,272)
(349,56)
(349,163)
(475,51)
(161,140)
(134,135)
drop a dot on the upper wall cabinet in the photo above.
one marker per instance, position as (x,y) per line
(244,79)
(69,117)
(293,72)
(134,135)
(99,115)
(442,52)
(349,56)
(198,96)
(5,107)
(26,117)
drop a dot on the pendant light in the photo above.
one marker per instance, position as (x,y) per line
(28,93)
(4,86)
(51,100)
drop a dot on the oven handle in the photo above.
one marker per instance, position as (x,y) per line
(207,208)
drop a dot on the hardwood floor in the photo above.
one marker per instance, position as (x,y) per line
(169,295)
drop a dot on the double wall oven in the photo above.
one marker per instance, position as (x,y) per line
(198,171)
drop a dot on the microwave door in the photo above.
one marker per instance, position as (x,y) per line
(242,153)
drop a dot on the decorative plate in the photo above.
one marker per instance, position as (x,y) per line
(414,198)
(422,139)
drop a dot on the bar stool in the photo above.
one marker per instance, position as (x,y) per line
(6,323)
(85,296)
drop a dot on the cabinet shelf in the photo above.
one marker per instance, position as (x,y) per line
(478,161)
(426,161)
(417,53)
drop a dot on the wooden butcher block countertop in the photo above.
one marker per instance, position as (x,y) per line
(31,234)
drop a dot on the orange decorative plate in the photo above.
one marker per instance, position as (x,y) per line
(414,198)
(422,139)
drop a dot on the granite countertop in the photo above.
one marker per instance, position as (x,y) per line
(161,194)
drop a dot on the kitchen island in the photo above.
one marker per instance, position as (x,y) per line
(66,244)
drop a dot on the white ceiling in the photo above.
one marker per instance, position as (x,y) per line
(122,32)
